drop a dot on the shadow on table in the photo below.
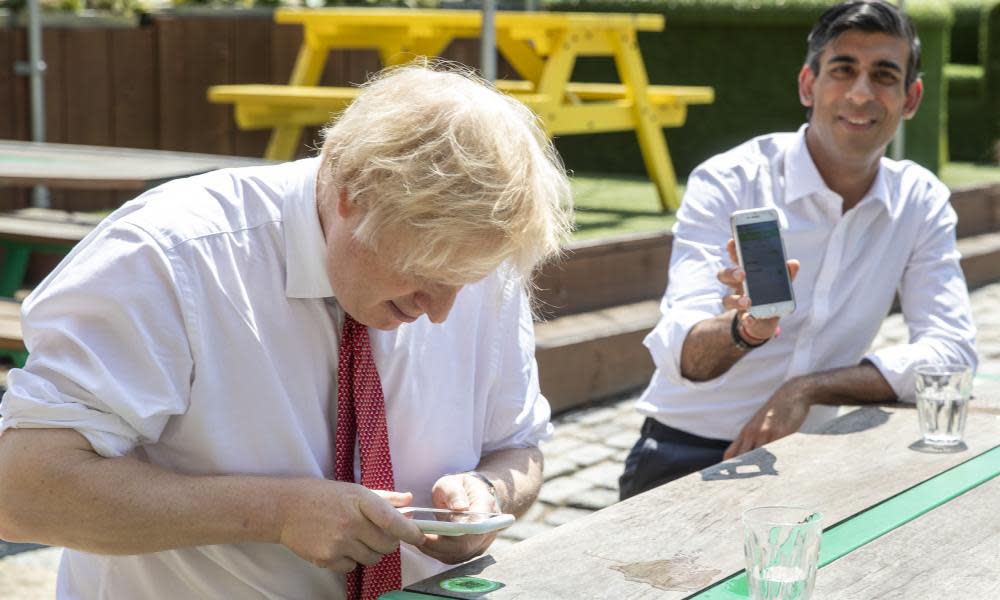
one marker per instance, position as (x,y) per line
(752,464)
(858,420)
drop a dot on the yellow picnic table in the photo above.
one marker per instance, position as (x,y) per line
(541,47)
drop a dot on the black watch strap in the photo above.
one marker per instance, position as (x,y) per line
(489,484)
(742,344)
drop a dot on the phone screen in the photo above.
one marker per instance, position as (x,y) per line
(764,262)
(448,516)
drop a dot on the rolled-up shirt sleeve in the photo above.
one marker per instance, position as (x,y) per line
(935,303)
(109,352)
(518,413)
(694,293)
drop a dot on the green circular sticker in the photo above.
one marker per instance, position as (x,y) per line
(474,585)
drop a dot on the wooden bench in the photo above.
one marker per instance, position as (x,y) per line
(37,230)
(21,233)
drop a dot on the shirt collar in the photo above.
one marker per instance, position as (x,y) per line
(305,247)
(802,178)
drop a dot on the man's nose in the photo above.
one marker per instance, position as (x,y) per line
(861,91)
(436,303)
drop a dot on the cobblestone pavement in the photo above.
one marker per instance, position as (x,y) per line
(582,461)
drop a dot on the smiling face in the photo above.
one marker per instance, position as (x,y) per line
(857,100)
(365,281)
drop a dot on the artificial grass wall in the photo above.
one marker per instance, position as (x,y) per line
(750,51)
(974,83)
(965,31)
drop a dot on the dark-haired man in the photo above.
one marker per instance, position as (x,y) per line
(861,226)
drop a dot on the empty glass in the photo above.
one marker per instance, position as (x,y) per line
(781,544)
(942,402)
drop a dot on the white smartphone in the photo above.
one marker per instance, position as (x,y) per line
(454,522)
(761,252)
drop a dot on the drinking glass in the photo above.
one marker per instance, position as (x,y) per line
(943,393)
(781,544)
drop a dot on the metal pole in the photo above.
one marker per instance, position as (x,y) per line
(898,148)
(36,69)
(487,36)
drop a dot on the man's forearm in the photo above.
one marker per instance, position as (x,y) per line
(55,490)
(517,475)
(708,349)
(860,384)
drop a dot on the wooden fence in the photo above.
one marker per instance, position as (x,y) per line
(144,86)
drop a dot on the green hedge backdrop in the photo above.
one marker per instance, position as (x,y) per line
(750,51)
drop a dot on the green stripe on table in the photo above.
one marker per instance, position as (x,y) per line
(874,522)
(404,595)
(988,376)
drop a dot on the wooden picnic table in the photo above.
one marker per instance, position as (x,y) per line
(952,552)
(81,167)
(679,540)
(29,230)
(104,168)
(541,47)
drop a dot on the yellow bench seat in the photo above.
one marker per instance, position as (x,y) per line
(586,108)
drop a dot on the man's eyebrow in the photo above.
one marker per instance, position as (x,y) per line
(847,58)
(843,58)
(888,64)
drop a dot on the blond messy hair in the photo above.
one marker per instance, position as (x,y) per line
(437,157)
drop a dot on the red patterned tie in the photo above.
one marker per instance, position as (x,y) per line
(361,413)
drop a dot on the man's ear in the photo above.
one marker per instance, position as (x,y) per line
(344,207)
(806,80)
(913,97)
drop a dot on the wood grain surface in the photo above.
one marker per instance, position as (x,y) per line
(677,539)
(951,552)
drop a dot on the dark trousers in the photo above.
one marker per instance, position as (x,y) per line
(663,454)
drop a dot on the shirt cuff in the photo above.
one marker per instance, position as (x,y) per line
(896,364)
(44,407)
(666,341)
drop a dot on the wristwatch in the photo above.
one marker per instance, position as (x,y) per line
(742,344)
(489,484)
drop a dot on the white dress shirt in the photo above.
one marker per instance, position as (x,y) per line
(900,237)
(193,328)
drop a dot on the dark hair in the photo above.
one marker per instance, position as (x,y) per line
(872,16)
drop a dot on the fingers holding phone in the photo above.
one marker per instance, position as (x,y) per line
(338,525)
(464,494)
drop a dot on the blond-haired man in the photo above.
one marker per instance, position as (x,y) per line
(180,422)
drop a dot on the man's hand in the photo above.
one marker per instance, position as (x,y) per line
(732,277)
(782,415)
(337,525)
(460,492)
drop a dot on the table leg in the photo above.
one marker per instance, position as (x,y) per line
(521,56)
(651,139)
(14,267)
(283,143)
(308,69)
(11,279)
(410,49)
